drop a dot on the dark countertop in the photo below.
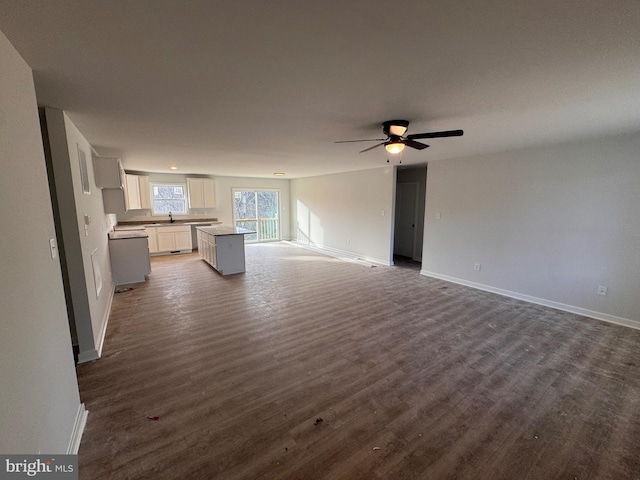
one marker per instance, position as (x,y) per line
(163,223)
(122,234)
(226,230)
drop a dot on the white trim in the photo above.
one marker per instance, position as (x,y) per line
(172,184)
(105,322)
(605,317)
(78,430)
(96,353)
(88,356)
(341,254)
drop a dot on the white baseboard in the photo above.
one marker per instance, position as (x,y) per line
(341,254)
(539,301)
(78,429)
(88,356)
(105,322)
(96,353)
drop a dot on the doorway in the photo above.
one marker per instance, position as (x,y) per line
(257,210)
(406,219)
(411,183)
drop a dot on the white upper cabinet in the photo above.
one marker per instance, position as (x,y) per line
(202,192)
(145,198)
(108,172)
(133,192)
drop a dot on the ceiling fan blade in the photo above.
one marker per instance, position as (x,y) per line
(413,144)
(371,148)
(368,140)
(447,133)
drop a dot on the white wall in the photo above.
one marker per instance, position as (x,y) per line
(344,212)
(94,240)
(39,399)
(548,223)
(224,198)
(86,250)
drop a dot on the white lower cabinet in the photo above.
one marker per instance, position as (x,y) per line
(153,239)
(172,239)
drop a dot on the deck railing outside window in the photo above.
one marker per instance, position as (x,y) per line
(267,228)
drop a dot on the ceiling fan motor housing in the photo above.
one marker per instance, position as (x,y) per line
(395,127)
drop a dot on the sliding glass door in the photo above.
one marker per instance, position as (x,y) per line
(257,210)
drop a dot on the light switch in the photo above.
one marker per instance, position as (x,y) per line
(54,248)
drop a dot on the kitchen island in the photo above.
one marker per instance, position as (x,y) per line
(223,247)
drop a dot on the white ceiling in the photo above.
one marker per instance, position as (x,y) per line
(254,87)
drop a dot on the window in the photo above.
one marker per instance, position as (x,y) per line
(169,197)
(257,210)
(84,174)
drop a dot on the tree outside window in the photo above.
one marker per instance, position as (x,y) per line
(169,198)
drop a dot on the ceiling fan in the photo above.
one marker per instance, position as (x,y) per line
(396,141)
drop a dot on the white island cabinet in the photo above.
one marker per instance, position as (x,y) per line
(223,248)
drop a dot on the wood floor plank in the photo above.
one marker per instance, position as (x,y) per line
(413,378)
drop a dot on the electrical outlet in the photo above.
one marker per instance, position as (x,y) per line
(438,216)
(602,290)
(476,267)
(348,241)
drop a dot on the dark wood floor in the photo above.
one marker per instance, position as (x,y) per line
(411,377)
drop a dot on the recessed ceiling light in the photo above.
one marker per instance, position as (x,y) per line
(279,174)
(173,167)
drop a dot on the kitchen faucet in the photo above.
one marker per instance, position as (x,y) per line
(171,220)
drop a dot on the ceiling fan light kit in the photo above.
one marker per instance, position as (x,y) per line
(396,141)
(394,146)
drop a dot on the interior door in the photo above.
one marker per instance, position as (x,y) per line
(405,226)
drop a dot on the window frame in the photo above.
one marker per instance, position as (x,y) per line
(168,184)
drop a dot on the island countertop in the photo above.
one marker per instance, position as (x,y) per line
(225,230)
